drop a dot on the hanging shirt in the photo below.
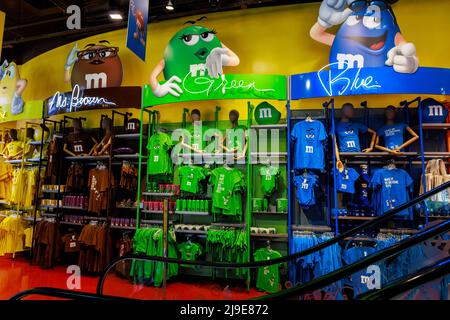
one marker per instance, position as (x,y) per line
(12,148)
(159,160)
(305,189)
(392,135)
(226,181)
(189,251)
(394,186)
(309,137)
(268,278)
(98,189)
(346,180)
(433,111)
(348,136)
(269,175)
(190,177)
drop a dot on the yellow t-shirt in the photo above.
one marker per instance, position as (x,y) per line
(13,148)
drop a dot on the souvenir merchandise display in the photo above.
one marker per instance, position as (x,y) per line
(251,179)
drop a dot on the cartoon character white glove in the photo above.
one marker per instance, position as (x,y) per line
(403,58)
(333,12)
(3,68)
(217,58)
(168,87)
(72,57)
(16,104)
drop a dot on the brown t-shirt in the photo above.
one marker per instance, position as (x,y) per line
(78,143)
(98,189)
(52,164)
(70,242)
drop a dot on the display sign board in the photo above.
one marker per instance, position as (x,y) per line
(2,28)
(230,86)
(91,99)
(362,81)
(137,27)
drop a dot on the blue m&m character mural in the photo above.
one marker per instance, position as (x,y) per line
(369,35)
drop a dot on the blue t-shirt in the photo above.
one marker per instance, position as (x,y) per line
(309,137)
(433,111)
(394,185)
(346,180)
(348,136)
(305,189)
(392,135)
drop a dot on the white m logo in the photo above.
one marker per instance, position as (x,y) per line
(265,113)
(93,80)
(435,111)
(351,144)
(349,60)
(309,149)
(131,126)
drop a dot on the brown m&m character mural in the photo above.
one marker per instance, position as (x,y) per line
(96,66)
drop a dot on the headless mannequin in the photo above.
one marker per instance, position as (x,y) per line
(78,129)
(29,148)
(234,122)
(347,115)
(390,114)
(19,151)
(102,148)
(196,122)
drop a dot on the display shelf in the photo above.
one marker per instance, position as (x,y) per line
(158,194)
(436,217)
(432,154)
(154,222)
(52,191)
(34,160)
(126,156)
(71,223)
(269,154)
(192,213)
(229,224)
(73,208)
(31,219)
(354,218)
(4,202)
(123,227)
(434,126)
(48,207)
(269,212)
(152,211)
(13,161)
(311,228)
(50,215)
(198,232)
(272,237)
(37,143)
(377,154)
(269,126)
(129,136)
(87,158)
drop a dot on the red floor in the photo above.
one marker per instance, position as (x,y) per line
(17,275)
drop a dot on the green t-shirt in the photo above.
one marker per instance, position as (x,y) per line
(225,182)
(198,138)
(159,160)
(189,251)
(190,177)
(269,178)
(268,277)
(235,138)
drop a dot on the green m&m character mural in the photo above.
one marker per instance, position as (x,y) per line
(192,51)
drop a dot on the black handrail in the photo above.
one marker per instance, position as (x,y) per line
(438,270)
(283,259)
(348,270)
(65,294)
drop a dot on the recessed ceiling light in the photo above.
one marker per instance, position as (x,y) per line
(115,16)
(169,6)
